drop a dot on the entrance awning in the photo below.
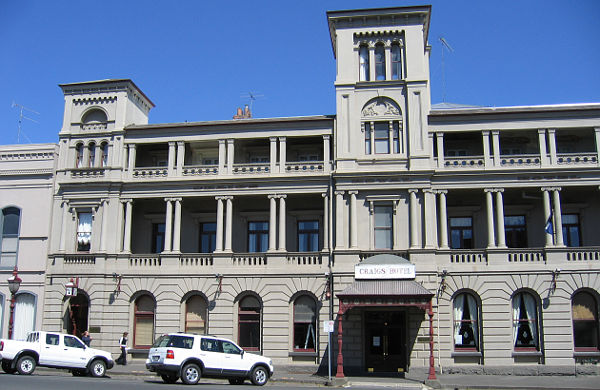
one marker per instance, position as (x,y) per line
(386,288)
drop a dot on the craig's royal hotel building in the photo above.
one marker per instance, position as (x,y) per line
(462,236)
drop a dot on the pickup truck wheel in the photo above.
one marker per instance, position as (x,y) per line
(98,368)
(236,381)
(260,376)
(7,368)
(26,365)
(190,375)
(169,378)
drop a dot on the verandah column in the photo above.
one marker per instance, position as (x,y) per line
(325,196)
(353,220)
(127,236)
(547,213)
(489,202)
(168,225)
(282,217)
(413,218)
(219,233)
(500,216)
(177,226)
(340,357)
(272,221)
(557,217)
(228,222)
(443,219)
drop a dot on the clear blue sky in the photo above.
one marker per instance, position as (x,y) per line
(195,59)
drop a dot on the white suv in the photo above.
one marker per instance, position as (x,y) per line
(189,357)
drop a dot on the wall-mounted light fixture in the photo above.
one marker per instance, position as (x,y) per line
(555,274)
(443,275)
(220,283)
(328,285)
(117,278)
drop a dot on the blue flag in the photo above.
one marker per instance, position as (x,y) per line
(549,228)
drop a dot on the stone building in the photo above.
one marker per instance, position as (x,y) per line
(463,236)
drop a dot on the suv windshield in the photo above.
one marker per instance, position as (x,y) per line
(174,341)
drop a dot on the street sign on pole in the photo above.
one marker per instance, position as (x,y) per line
(328,328)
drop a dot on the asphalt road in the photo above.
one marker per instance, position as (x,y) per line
(65,381)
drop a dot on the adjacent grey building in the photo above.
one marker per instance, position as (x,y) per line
(455,236)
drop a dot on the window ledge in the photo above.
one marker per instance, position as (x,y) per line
(465,354)
(526,353)
(305,354)
(586,354)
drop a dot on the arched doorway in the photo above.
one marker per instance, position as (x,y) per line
(76,316)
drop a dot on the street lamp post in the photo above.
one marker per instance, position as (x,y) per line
(14,282)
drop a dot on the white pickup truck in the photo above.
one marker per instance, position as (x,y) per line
(53,349)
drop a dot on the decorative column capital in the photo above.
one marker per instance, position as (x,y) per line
(413,190)
(441,192)
(325,194)
(281,139)
(272,139)
(485,133)
(551,131)
(353,192)
(429,191)
(126,201)
(222,141)
(272,196)
(340,192)
(551,188)
(181,143)
(541,131)
(328,136)
(282,196)
(495,132)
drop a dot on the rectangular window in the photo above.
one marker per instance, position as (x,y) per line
(208,237)
(515,230)
(379,62)
(84,231)
(368,146)
(382,137)
(396,136)
(396,62)
(308,236)
(258,236)
(364,63)
(570,228)
(383,227)
(461,233)
(158,237)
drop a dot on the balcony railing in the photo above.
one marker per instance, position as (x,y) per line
(573,159)
(200,170)
(469,257)
(520,160)
(250,168)
(304,166)
(583,254)
(87,172)
(464,162)
(150,173)
(304,258)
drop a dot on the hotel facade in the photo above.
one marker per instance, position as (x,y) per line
(459,235)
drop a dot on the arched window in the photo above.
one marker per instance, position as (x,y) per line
(396,55)
(24,315)
(94,119)
(195,315)
(249,323)
(104,157)
(9,239)
(526,326)
(381,121)
(79,155)
(143,322)
(363,54)
(92,154)
(379,62)
(585,322)
(305,324)
(466,322)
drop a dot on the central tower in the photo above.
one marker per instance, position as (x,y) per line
(382,87)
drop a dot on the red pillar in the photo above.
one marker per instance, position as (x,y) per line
(431,360)
(340,358)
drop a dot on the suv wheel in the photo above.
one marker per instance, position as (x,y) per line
(26,365)
(169,378)
(260,376)
(190,375)
(98,368)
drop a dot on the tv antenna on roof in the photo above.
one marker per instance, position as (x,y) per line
(21,117)
(252,97)
(446,45)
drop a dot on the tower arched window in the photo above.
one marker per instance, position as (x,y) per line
(91,154)
(94,119)
(381,123)
(9,238)
(143,322)
(379,61)
(79,148)
(104,157)
(363,55)
(585,322)
(249,323)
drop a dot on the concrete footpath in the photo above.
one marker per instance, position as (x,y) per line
(305,375)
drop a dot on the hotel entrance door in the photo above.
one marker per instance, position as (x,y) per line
(385,338)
